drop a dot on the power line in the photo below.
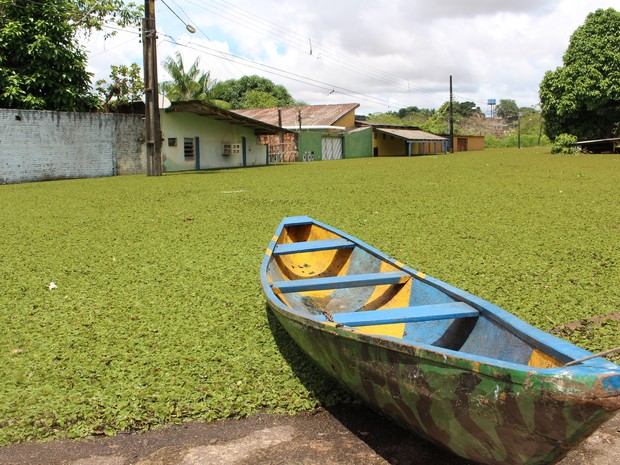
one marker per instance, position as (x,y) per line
(288,35)
(300,43)
(235,59)
(325,86)
(190,21)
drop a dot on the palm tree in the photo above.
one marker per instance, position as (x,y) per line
(192,84)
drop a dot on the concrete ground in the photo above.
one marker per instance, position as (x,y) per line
(342,436)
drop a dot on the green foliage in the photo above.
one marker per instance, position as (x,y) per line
(410,116)
(386,118)
(507,109)
(462,109)
(125,87)
(258,99)
(248,90)
(564,143)
(435,121)
(583,96)
(469,119)
(413,113)
(42,65)
(159,317)
(530,127)
(512,140)
(192,84)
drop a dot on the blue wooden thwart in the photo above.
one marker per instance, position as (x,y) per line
(413,314)
(312,246)
(340,282)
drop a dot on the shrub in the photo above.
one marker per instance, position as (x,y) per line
(565,143)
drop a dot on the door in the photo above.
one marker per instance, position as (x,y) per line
(332,148)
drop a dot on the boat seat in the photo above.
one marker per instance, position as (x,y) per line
(416,313)
(312,246)
(340,282)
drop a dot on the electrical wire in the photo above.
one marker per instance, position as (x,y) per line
(327,87)
(237,71)
(295,39)
(300,43)
(114,47)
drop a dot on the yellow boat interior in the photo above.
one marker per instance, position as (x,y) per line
(335,279)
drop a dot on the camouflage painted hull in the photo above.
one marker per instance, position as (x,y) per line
(447,365)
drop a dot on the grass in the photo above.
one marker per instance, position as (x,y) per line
(158,316)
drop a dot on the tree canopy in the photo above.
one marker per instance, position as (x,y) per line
(185,85)
(252,92)
(437,121)
(42,65)
(583,96)
(124,88)
(507,109)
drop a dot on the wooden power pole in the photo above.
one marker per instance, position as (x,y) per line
(151,93)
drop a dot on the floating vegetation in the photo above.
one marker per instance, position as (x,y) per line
(156,316)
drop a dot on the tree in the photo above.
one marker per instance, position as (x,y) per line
(233,91)
(507,109)
(439,122)
(389,117)
(125,87)
(258,99)
(42,65)
(192,84)
(583,96)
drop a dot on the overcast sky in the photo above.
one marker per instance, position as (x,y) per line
(382,54)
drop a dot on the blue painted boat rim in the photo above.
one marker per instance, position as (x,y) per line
(560,349)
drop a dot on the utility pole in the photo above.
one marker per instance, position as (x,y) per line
(451,118)
(519,130)
(153,125)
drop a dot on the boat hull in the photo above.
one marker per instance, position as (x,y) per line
(473,415)
(447,365)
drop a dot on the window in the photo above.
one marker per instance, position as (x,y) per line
(172,141)
(231,149)
(188,148)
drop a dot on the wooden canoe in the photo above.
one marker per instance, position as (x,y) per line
(445,364)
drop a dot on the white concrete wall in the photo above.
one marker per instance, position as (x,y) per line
(43,145)
(212,134)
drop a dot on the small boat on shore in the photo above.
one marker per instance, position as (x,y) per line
(443,363)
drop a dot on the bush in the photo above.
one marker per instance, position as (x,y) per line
(565,143)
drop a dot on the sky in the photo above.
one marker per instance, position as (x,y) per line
(383,54)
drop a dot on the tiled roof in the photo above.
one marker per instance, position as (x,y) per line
(315,115)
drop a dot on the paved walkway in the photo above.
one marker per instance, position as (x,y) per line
(345,436)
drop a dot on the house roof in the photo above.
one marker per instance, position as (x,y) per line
(315,115)
(414,135)
(205,109)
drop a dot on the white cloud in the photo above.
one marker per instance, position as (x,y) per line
(381,54)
